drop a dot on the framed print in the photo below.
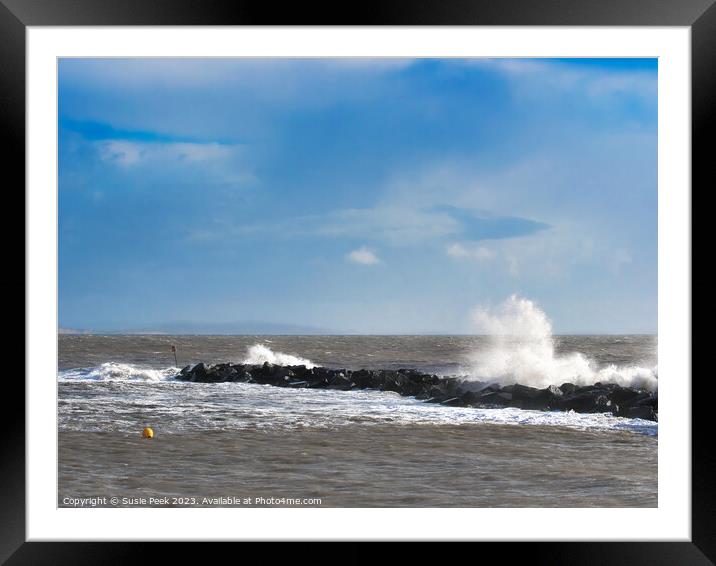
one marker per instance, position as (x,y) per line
(422,275)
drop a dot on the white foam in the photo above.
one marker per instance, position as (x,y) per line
(258,354)
(235,406)
(521,350)
(113,371)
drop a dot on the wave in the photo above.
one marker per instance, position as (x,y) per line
(113,371)
(258,354)
(116,371)
(242,406)
(521,350)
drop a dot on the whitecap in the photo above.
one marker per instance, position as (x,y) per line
(521,350)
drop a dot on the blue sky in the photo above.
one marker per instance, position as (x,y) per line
(357,195)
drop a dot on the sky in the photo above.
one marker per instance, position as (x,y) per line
(356,195)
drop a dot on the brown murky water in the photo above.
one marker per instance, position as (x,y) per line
(324,448)
(480,465)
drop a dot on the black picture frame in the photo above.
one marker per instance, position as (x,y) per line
(699,15)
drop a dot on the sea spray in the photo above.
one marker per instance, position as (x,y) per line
(258,354)
(521,350)
(115,371)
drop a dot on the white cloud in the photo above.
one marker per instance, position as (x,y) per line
(394,224)
(457,250)
(226,164)
(263,80)
(513,265)
(128,153)
(210,72)
(364,256)
(445,200)
(120,152)
(620,258)
(480,253)
(594,82)
(550,255)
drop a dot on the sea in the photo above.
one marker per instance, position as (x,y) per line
(238,444)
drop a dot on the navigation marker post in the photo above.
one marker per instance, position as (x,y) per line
(174,350)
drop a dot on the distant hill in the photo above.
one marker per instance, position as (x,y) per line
(61,330)
(187,327)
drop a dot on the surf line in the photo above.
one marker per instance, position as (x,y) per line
(450,391)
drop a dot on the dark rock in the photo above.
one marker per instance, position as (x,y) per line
(340,381)
(364,379)
(317,377)
(437,395)
(586,400)
(469,398)
(299,371)
(567,388)
(451,386)
(391,381)
(623,395)
(198,372)
(495,398)
(269,374)
(322,373)
(494,388)
(217,373)
(222,372)
(476,386)
(399,381)
(452,391)
(243,376)
(525,397)
(646,400)
(547,398)
(414,376)
(554,391)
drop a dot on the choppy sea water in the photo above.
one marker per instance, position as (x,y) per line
(116,383)
(110,387)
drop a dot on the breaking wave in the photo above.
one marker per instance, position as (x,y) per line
(258,354)
(521,350)
(113,371)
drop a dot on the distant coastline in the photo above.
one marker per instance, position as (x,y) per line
(209,329)
(75,332)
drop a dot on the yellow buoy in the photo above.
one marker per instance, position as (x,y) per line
(148,433)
